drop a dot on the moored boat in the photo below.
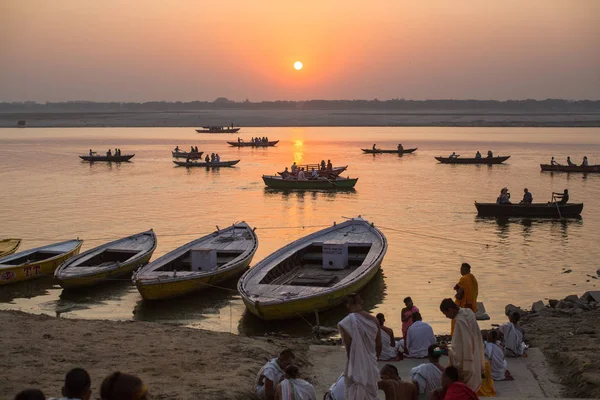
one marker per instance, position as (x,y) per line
(212,164)
(277,182)
(534,210)
(96,158)
(192,155)
(570,168)
(199,264)
(396,151)
(9,246)
(253,144)
(218,129)
(335,171)
(36,263)
(108,261)
(314,273)
(472,160)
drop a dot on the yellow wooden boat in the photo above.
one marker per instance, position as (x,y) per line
(314,273)
(36,263)
(9,246)
(205,262)
(108,261)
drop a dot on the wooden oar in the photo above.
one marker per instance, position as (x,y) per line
(557,207)
(330,182)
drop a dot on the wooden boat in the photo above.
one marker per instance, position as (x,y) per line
(218,129)
(473,160)
(250,144)
(570,168)
(95,158)
(315,272)
(9,246)
(193,155)
(396,151)
(335,171)
(207,261)
(36,263)
(189,164)
(534,210)
(277,182)
(108,261)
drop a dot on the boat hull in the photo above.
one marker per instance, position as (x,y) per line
(484,160)
(224,130)
(123,158)
(250,144)
(9,246)
(380,151)
(276,182)
(572,168)
(35,270)
(205,164)
(536,210)
(182,154)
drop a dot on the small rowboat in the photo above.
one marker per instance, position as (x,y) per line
(108,261)
(250,144)
(189,164)
(9,246)
(483,160)
(277,182)
(381,151)
(122,158)
(534,210)
(217,129)
(314,273)
(36,263)
(570,168)
(205,262)
(191,155)
(335,171)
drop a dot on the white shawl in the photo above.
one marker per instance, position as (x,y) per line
(271,370)
(297,389)
(428,376)
(513,340)
(387,352)
(467,353)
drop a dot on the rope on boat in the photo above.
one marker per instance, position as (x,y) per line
(438,237)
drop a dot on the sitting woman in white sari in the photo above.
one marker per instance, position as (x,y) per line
(495,355)
(428,377)
(513,337)
(292,388)
(391,350)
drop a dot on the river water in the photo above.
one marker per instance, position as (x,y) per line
(425,209)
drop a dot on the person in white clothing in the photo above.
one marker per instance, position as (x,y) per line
(301,176)
(427,377)
(391,350)
(362,340)
(495,356)
(513,337)
(292,388)
(272,373)
(419,337)
(336,391)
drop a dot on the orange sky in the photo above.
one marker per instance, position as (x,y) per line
(141,50)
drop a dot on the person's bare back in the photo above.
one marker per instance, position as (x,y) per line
(396,389)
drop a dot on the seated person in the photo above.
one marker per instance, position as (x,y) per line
(301,175)
(527,197)
(285,174)
(394,387)
(563,197)
(336,391)
(495,355)
(390,349)
(419,337)
(452,388)
(292,388)
(553,161)
(272,373)
(427,377)
(490,154)
(569,162)
(374,148)
(453,155)
(478,154)
(400,147)
(513,334)
(584,163)
(314,174)
(504,197)
(77,385)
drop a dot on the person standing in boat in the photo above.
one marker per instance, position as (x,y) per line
(323,165)
(91,153)
(569,162)
(504,197)
(294,168)
(400,148)
(176,149)
(329,165)
(527,197)
(585,162)
(562,197)
(478,154)
(207,159)
(490,154)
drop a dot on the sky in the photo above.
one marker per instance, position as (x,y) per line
(184,50)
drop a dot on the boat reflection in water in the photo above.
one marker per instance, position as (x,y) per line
(27,289)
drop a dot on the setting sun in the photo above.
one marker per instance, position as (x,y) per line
(298,65)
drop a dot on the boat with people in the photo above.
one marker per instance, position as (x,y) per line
(38,262)
(209,164)
(107,158)
(383,151)
(199,264)
(279,182)
(218,129)
(9,246)
(334,171)
(108,261)
(315,272)
(241,143)
(570,168)
(472,160)
(193,154)
(533,210)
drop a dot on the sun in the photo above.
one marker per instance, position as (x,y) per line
(298,65)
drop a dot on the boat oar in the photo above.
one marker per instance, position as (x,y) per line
(557,207)
(330,182)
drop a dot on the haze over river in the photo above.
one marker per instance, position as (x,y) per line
(424,208)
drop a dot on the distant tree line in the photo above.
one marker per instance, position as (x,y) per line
(394,105)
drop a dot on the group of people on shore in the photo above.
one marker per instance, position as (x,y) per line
(504,197)
(584,162)
(78,386)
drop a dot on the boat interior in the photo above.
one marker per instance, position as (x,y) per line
(307,267)
(36,256)
(108,256)
(185,261)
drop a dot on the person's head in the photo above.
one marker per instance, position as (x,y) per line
(286,168)
(354,302)
(525,190)
(514,317)
(434,353)
(294,163)
(449,308)
(286,357)
(118,386)
(30,394)
(449,376)
(492,336)
(77,384)
(291,372)
(568,157)
(566,191)
(408,302)
(381,318)
(389,371)
(416,316)
(465,269)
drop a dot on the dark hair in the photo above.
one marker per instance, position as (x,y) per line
(452,373)
(391,368)
(494,334)
(416,316)
(287,353)
(292,371)
(448,304)
(353,298)
(466,266)
(515,317)
(118,386)
(30,394)
(380,317)
(77,383)
(432,353)
(407,299)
